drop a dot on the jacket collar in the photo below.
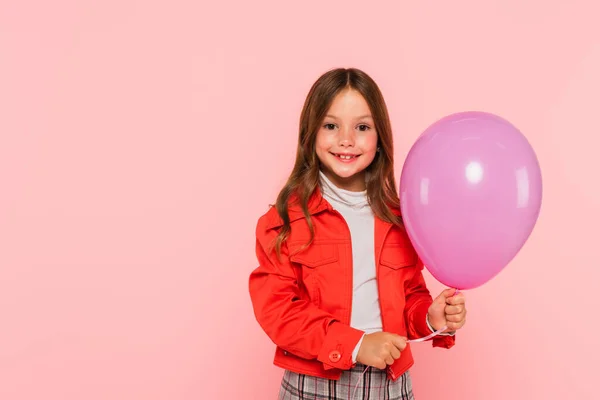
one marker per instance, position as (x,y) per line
(316,204)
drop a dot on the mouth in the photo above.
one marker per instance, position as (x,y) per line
(346,157)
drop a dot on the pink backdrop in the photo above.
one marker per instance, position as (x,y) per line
(140,141)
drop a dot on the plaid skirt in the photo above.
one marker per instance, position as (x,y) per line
(372,385)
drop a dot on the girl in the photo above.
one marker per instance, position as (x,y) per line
(339,287)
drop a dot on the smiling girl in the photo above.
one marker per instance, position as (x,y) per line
(339,287)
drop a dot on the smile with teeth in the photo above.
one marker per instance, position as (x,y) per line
(346,156)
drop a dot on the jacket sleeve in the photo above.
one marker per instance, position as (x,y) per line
(418,300)
(291,321)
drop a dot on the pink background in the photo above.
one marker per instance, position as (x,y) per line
(140,141)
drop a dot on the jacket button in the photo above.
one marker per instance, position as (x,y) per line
(285,353)
(335,356)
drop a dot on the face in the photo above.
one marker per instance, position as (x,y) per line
(346,142)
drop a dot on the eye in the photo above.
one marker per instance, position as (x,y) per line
(329,127)
(363,127)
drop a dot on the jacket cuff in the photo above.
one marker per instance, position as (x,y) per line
(444,342)
(421,325)
(340,342)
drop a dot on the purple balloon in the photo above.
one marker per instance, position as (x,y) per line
(470,195)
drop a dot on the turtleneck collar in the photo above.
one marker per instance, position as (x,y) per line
(336,195)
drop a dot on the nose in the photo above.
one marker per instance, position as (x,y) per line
(346,137)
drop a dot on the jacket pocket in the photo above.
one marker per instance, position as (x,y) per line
(314,263)
(316,255)
(398,256)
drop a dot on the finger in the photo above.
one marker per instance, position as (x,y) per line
(456,299)
(380,364)
(399,342)
(454,318)
(395,353)
(444,296)
(386,348)
(453,310)
(389,360)
(454,326)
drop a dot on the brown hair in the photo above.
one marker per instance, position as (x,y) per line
(302,182)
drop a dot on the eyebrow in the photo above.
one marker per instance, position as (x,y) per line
(361,117)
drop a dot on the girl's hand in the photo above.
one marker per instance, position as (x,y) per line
(448,309)
(380,349)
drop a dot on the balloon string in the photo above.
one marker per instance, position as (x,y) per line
(358,383)
(428,336)
(408,341)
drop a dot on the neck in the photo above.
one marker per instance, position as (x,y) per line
(354,183)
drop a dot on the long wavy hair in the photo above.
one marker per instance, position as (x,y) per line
(304,178)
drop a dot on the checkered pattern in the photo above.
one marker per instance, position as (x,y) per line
(372,385)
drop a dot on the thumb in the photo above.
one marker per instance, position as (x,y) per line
(441,299)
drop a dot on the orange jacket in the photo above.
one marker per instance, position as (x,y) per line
(303,301)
